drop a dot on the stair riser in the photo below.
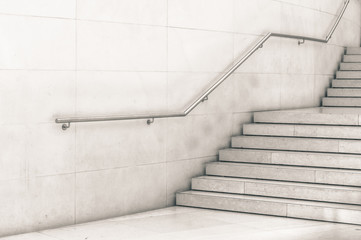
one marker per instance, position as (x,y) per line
(341,102)
(346,83)
(292,158)
(353,50)
(340,92)
(309,118)
(352,58)
(302,131)
(278,190)
(230,204)
(298,144)
(285,174)
(270,208)
(348,74)
(350,66)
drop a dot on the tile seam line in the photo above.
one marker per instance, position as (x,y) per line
(76,110)
(132,166)
(37,176)
(147,71)
(104,169)
(44,234)
(147,24)
(169,27)
(294,4)
(142,24)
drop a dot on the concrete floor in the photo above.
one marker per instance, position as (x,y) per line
(177,223)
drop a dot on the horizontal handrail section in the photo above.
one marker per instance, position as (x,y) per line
(204,96)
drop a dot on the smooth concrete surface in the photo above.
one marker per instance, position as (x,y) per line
(352,58)
(272,206)
(343,92)
(64,58)
(348,74)
(341,102)
(318,115)
(298,144)
(285,173)
(353,50)
(179,223)
(298,130)
(346,83)
(350,66)
(312,159)
(314,192)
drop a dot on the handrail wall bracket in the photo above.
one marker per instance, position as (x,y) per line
(65,126)
(205,99)
(204,96)
(150,121)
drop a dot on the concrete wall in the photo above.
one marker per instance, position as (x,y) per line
(105,57)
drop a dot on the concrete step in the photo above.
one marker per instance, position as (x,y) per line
(304,191)
(292,158)
(298,144)
(352,58)
(350,66)
(348,74)
(319,115)
(285,173)
(346,83)
(341,102)
(293,130)
(332,212)
(343,92)
(353,50)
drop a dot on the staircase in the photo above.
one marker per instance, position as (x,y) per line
(303,163)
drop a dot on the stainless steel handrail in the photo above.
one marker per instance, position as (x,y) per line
(150,117)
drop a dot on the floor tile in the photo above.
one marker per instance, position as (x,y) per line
(177,223)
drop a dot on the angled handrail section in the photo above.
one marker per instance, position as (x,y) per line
(204,96)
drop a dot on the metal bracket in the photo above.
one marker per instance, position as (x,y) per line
(301,42)
(150,121)
(260,46)
(65,126)
(205,99)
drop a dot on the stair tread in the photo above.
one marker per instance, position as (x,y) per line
(346,83)
(316,115)
(344,92)
(351,98)
(350,66)
(346,98)
(272,166)
(342,101)
(306,144)
(291,158)
(318,110)
(293,152)
(300,125)
(302,130)
(305,174)
(274,182)
(273,199)
(352,58)
(295,138)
